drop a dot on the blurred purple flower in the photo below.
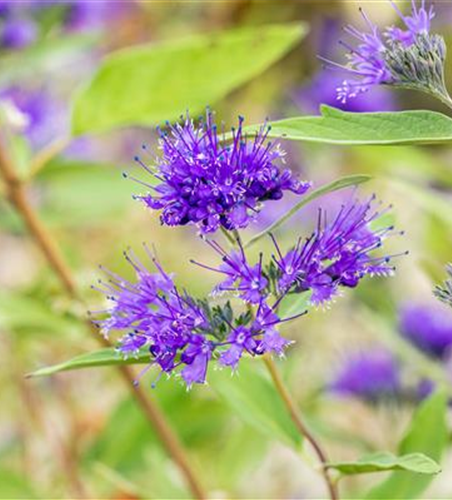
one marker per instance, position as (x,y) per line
(43,118)
(370,375)
(212,185)
(428,327)
(91,15)
(17,33)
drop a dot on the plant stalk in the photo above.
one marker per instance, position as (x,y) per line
(302,428)
(16,193)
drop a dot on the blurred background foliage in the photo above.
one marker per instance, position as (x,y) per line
(80,434)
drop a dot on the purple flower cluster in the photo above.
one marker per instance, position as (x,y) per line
(178,330)
(369,375)
(338,254)
(212,183)
(181,331)
(396,56)
(428,327)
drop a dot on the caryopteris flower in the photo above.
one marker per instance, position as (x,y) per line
(409,57)
(215,184)
(185,334)
(370,375)
(182,333)
(428,327)
(338,254)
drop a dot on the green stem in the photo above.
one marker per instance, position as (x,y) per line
(302,428)
(297,419)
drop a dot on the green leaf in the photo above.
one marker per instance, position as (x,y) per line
(342,183)
(39,317)
(381,462)
(148,84)
(102,357)
(253,397)
(14,485)
(427,200)
(340,127)
(427,434)
(106,194)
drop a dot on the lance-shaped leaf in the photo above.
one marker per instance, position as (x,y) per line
(148,84)
(342,183)
(427,434)
(381,462)
(102,357)
(340,127)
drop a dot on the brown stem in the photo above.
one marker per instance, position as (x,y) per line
(15,190)
(304,431)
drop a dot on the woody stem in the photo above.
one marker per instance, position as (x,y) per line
(16,193)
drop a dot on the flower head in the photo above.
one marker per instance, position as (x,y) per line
(428,327)
(211,185)
(337,254)
(407,57)
(182,333)
(369,375)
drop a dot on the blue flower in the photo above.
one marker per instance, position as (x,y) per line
(408,57)
(214,184)
(182,334)
(337,254)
